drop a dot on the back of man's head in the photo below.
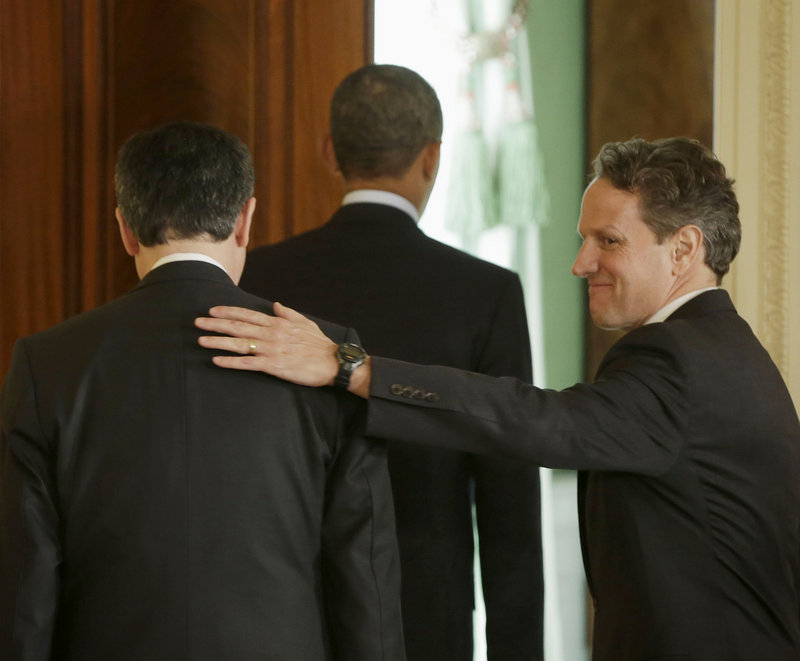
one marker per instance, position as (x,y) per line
(182,180)
(382,116)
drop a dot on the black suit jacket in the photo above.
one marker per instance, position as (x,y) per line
(154,506)
(689,497)
(413,298)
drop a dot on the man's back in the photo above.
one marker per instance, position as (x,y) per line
(188,512)
(372,264)
(413,298)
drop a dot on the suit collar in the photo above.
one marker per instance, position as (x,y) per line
(185,270)
(385,197)
(186,257)
(716,300)
(372,215)
(664,313)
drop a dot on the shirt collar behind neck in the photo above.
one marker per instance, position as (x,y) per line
(186,257)
(670,307)
(382,197)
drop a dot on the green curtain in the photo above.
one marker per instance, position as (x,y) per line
(511,191)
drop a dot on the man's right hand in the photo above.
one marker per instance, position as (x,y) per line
(288,345)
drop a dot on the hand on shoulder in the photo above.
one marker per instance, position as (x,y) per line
(288,345)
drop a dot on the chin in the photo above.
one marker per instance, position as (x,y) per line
(608,323)
(610,326)
(601,319)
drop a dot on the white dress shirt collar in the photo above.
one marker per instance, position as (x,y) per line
(382,197)
(670,307)
(187,257)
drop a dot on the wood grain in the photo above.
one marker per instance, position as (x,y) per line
(650,74)
(77,78)
(32,166)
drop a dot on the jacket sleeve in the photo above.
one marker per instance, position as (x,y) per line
(360,563)
(30,548)
(633,418)
(508,504)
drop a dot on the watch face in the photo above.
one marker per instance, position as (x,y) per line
(351,352)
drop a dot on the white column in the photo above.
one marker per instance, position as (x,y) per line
(757,136)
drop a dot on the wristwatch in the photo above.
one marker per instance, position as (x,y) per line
(350,356)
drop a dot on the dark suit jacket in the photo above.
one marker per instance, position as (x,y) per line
(413,298)
(689,497)
(154,506)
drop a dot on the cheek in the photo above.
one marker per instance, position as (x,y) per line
(654,283)
(634,281)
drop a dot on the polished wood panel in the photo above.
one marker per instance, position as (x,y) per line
(651,70)
(650,74)
(183,59)
(77,78)
(32,163)
(317,72)
(307,54)
(274,163)
(94,181)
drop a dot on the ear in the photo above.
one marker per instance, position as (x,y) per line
(130,242)
(241,230)
(687,247)
(430,159)
(329,154)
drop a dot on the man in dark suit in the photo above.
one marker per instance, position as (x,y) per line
(413,298)
(155,507)
(688,441)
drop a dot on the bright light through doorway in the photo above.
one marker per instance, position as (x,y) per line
(410,33)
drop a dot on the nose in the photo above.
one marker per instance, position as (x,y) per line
(585,262)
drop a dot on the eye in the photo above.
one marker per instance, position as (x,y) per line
(608,241)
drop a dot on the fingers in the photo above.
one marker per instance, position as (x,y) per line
(258,318)
(238,329)
(246,323)
(288,313)
(240,314)
(254,363)
(297,368)
(243,346)
(240,323)
(289,345)
(249,363)
(243,322)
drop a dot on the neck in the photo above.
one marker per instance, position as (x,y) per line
(701,278)
(415,184)
(398,186)
(222,251)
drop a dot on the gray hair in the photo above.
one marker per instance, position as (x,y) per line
(182,180)
(679,182)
